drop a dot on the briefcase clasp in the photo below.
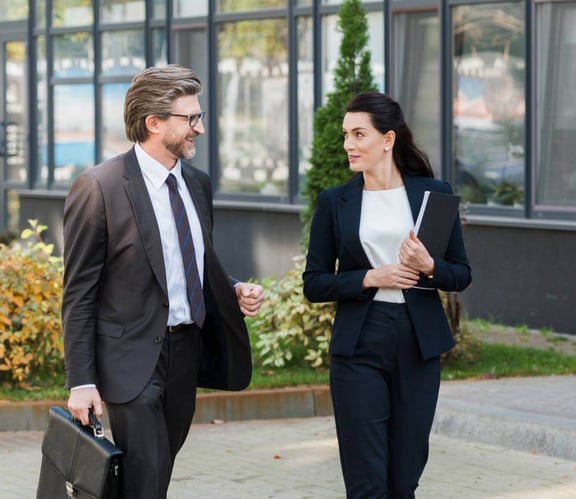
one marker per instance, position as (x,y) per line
(70,492)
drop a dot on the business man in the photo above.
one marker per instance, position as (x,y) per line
(148,312)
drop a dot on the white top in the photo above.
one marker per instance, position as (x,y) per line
(385,220)
(155,175)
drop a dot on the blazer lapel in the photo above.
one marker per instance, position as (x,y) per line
(349,208)
(145,218)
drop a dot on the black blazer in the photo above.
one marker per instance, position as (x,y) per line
(336,265)
(115,300)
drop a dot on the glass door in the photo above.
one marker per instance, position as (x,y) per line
(13,126)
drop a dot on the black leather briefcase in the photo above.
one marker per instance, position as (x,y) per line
(78,461)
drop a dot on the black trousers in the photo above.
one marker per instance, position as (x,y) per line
(152,428)
(384,399)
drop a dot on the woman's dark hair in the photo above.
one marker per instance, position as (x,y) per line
(385,115)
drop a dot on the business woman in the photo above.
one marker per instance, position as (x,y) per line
(390,327)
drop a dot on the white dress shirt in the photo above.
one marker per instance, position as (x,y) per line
(155,175)
(385,220)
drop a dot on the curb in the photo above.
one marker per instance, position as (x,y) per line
(296,402)
(519,430)
(513,429)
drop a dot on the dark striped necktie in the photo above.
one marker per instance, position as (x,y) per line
(193,283)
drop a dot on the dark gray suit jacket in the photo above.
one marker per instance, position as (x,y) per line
(115,302)
(336,265)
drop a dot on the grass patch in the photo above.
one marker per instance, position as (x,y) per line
(498,361)
(493,361)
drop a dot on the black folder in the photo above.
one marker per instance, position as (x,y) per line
(435,221)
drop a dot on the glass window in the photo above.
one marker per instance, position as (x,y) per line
(331,38)
(13,10)
(244,5)
(376,45)
(489,102)
(41,103)
(190,50)
(114,139)
(556,104)
(253,107)
(15,124)
(123,52)
(159,9)
(73,55)
(40,9)
(416,55)
(72,13)
(305,93)
(121,11)
(159,48)
(186,8)
(304,2)
(73,130)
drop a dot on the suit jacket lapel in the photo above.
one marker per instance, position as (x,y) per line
(349,208)
(144,216)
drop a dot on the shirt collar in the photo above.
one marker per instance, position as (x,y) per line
(155,171)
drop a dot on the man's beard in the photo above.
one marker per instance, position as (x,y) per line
(179,149)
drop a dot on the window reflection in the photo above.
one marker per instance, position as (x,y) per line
(417,77)
(556,105)
(253,107)
(489,105)
(123,52)
(114,139)
(186,8)
(42,114)
(13,128)
(117,11)
(77,13)
(14,11)
(73,130)
(305,93)
(235,5)
(73,55)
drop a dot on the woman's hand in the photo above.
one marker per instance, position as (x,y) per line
(414,254)
(394,275)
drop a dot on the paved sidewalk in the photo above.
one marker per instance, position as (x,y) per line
(297,459)
(492,439)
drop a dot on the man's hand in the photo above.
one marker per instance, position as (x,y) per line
(250,297)
(82,400)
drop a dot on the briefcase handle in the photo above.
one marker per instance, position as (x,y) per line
(96,425)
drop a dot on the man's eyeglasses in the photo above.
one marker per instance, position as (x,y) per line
(193,119)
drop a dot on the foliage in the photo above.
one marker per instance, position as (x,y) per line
(352,75)
(30,327)
(467,346)
(289,329)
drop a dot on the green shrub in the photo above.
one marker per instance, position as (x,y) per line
(289,329)
(30,327)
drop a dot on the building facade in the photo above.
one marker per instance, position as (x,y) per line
(487,87)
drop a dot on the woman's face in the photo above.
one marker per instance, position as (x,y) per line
(365,145)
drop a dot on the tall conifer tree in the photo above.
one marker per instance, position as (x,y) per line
(352,75)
